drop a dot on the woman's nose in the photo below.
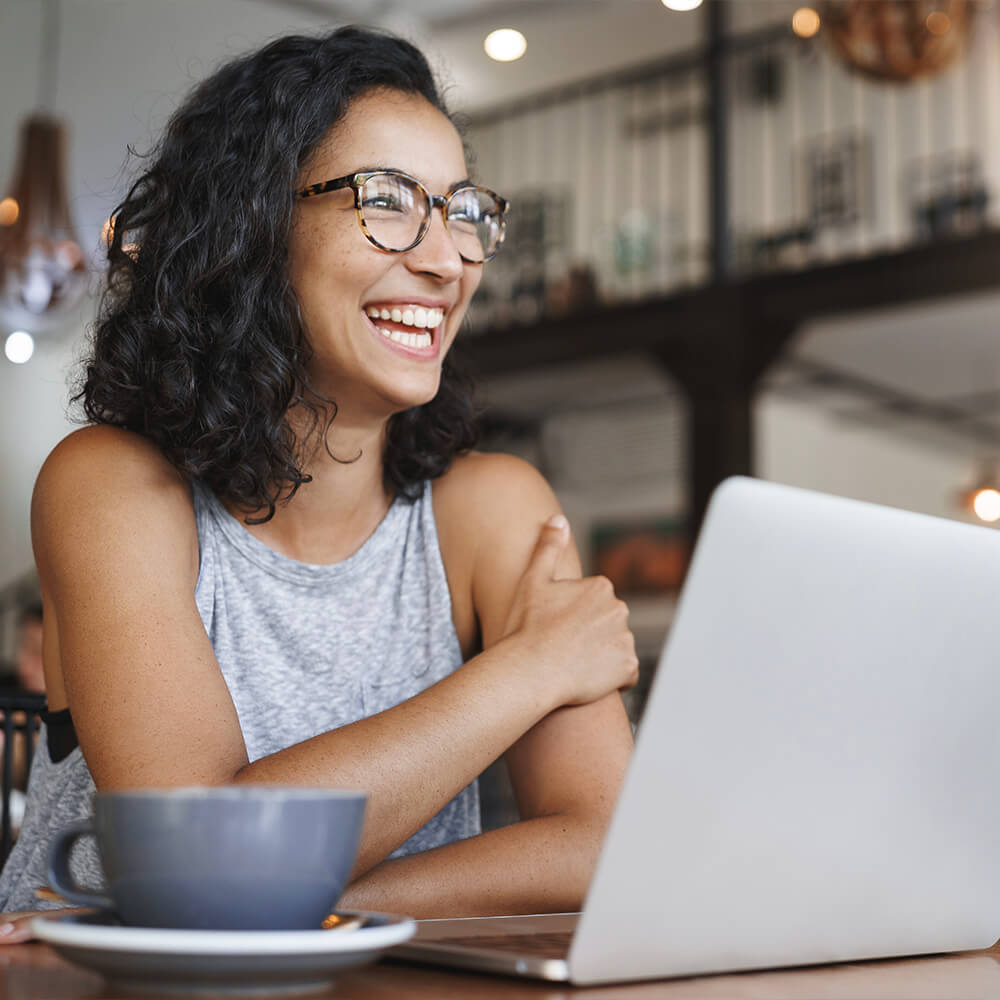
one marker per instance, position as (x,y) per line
(436,253)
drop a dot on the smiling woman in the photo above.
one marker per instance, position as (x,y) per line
(273,556)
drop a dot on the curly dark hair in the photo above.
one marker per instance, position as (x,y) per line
(200,345)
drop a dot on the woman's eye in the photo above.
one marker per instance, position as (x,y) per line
(385,202)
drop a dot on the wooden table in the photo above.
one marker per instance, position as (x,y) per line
(35,972)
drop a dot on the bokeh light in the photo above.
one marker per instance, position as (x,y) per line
(938,22)
(505,44)
(986,504)
(19,347)
(805,22)
(9,211)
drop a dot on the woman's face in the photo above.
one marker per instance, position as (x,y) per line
(341,279)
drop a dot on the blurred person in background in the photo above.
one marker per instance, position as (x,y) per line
(28,666)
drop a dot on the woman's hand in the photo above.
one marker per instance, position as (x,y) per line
(576,628)
(15,928)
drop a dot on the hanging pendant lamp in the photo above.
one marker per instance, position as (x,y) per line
(898,40)
(43,271)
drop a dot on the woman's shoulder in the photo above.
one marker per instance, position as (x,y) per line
(494,479)
(100,439)
(101,481)
(493,497)
(107,462)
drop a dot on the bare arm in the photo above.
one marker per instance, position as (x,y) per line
(116,548)
(566,770)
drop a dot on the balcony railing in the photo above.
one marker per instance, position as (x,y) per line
(611,178)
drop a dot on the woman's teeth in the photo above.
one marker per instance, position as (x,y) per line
(414,316)
(408,339)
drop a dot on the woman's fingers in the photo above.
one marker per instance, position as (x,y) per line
(15,928)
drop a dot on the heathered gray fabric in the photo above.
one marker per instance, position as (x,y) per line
(304,649)
(57,794)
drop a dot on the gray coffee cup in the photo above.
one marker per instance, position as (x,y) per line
(246,858)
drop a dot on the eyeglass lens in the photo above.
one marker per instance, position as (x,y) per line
(395,210)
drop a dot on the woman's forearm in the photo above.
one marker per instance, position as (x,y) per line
(541,865)
(414,758)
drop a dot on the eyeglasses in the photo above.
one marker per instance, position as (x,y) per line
(394,212)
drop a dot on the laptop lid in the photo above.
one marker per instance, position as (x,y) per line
(815,775)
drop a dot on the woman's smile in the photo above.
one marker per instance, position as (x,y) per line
(412,327)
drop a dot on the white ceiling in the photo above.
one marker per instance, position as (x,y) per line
(567,39)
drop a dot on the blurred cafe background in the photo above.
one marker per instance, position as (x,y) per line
(752,236)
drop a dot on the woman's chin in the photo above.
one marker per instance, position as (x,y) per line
(398,399)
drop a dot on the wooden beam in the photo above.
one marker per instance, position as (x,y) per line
(959,265)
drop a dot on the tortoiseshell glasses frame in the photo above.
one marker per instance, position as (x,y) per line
(357,181)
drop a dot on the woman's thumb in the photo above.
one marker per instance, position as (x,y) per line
(551,542)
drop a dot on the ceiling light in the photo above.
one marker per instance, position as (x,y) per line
(505,44)
(805,22)
(19,347)
(681,4)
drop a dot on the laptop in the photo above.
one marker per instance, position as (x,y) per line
(815,776)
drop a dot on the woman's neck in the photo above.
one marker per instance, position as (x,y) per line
(331,517)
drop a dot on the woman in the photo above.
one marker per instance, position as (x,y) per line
(273,557)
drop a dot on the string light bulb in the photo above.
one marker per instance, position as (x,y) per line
(9,211)
(986,504)
(805,22)
(983,499)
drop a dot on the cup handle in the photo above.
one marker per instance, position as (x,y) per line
(61,878)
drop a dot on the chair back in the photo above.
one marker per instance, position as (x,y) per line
(20,716)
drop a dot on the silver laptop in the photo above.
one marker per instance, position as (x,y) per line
(815,777)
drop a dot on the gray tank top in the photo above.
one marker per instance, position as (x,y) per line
(304,649)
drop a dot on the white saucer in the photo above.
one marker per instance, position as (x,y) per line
(149,959)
